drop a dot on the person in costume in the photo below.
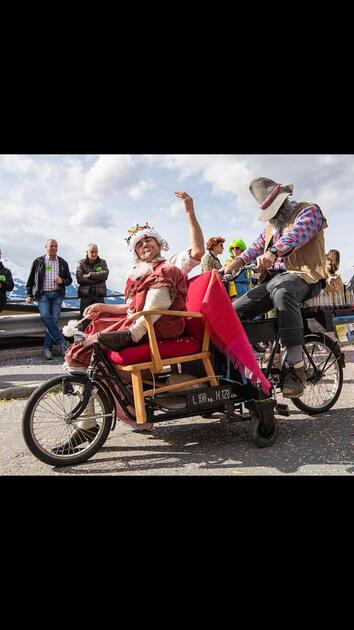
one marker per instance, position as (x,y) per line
(210,260)
(242,284)
(153,283)
(290,255)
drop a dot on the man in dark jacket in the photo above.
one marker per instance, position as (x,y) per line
(91,274)
(46,283)
(6,284)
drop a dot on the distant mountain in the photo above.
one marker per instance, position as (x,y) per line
(20,275)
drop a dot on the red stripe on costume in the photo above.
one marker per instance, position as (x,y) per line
(270,197)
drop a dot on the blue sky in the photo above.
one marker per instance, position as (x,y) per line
(79,199)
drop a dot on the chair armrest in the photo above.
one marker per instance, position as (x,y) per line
(155,354)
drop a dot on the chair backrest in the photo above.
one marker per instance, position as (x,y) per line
(196,288)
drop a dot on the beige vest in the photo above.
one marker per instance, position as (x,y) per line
(309,261)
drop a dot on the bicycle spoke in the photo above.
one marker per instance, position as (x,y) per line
(50,420)
(322,375)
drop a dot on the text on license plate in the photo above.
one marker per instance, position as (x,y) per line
(218,395)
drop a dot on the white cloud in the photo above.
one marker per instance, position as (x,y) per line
(17,164)
(112,172)
(90,214)
(137,191)
(174,209)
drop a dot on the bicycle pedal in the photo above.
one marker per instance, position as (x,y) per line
(282,410)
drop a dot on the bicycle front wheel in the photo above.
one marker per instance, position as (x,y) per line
(47,426)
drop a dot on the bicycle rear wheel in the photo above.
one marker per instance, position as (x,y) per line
(324,376)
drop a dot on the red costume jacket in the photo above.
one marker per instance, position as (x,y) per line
(167,327)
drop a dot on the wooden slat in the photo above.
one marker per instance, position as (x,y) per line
(177,386)
(171,361)
(154,349)
(210,370)
(138,397)
(158,311)
(206,340)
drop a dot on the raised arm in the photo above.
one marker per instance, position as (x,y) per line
(195,232)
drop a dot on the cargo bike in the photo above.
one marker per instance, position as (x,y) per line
(155,393)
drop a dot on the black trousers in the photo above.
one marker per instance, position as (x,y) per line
(285,292)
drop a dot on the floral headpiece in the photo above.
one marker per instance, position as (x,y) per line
(138,232)
(135,229)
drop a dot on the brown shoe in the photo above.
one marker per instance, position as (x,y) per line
(294,382)
(116,340)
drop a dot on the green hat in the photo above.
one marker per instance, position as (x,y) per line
(238,243)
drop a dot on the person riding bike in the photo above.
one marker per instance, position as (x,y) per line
(295,234)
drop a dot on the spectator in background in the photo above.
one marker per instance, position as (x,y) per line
(91,274)
(334,282)
(46,283)
(6,284)
(210,260)
(350,284)
(243,283)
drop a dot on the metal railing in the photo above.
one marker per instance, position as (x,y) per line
(66,298)
(18,305)
(26,322)
(12,326)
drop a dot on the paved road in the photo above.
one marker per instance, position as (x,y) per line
(322,445)
(20,376)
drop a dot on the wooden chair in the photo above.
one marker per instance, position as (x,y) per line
(194,345)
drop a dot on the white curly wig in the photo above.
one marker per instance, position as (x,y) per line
(139,235)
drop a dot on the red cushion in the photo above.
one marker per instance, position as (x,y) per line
(167,348)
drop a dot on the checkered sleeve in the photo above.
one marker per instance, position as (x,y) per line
(254,250)
(307,224)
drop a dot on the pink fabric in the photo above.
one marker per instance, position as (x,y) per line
(227,332)
(196,289)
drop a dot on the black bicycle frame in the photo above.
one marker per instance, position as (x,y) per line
(96,374)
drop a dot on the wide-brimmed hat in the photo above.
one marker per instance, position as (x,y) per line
(269,196)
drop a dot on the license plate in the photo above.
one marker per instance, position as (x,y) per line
(218,395)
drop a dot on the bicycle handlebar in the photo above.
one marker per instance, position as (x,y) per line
(235,274)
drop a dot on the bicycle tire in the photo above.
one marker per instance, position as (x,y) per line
(38,449)
(311,409)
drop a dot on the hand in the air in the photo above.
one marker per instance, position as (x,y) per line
(187,200)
